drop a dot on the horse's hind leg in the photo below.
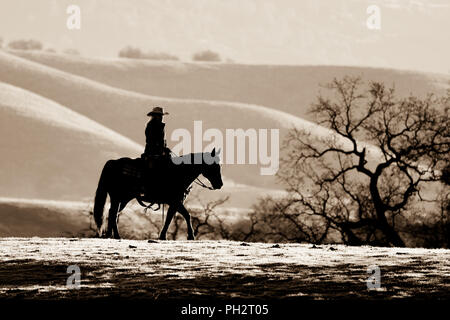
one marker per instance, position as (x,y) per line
(187,217)
(121,206)
(115,226)
(112,220)
(170,213)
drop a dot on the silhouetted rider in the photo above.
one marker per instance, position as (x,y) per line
(154,133)
(156,154)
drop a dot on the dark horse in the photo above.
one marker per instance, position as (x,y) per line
(120,179)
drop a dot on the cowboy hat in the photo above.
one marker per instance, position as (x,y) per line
(157,110)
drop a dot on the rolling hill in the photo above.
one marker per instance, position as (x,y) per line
(49,151)
(124,111)
(52,152)
(42,93)
(283,87)
(45,218)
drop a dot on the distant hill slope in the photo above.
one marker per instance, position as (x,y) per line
(42,218)
(124,111)
(101,105)
(287,88)
(49,151)
(30,218)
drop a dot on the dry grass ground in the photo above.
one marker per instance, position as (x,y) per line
(36,268)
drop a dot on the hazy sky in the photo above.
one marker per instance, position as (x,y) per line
(413,35)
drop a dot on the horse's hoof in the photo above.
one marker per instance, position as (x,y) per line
(191,237)
(162,238)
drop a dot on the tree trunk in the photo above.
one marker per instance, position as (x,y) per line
(391,235)
(384,226)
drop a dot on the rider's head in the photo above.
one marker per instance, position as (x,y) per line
(157,113)
(157,117)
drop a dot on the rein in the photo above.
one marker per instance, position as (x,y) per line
(202,184)
(186,192)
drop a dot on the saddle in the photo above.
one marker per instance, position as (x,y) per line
(138,168)
(134,169)
(147,173)
(155,161)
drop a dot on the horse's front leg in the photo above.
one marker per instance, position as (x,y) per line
(182,209)
(170,213)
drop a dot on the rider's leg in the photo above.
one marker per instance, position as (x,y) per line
(147,178)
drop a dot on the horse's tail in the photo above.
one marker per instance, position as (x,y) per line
(100,196)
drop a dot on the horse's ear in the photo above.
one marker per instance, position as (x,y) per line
(213,153)
(218,151)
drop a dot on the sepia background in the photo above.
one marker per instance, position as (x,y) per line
(72,99)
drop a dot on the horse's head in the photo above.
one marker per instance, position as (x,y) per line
(211,169)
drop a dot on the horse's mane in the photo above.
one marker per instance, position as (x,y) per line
(190,158)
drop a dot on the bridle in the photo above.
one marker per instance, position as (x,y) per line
(196,181)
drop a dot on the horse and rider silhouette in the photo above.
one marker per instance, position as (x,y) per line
(153,178)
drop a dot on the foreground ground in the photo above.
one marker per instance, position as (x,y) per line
(36,268)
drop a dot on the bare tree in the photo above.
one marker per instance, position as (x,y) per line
(337,186)
(209,223)
(206,221)
(136,53)
(72,51)
(206,55)
(25,44)
(444,206)
(279,220)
